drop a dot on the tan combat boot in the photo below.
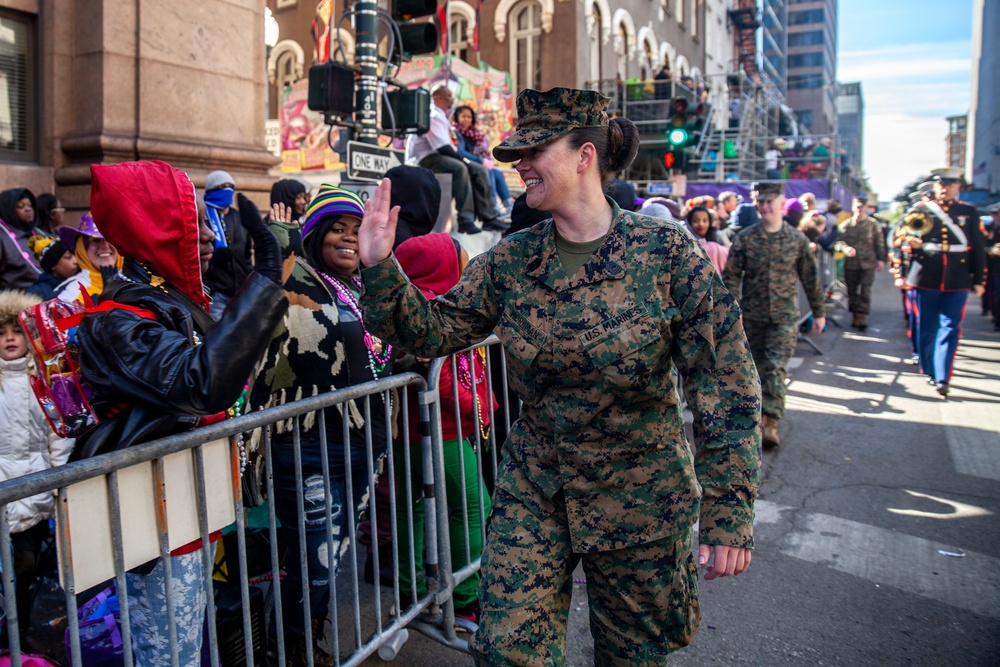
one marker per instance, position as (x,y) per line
(861,322)
(770,436)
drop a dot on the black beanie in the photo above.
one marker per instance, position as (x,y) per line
(48,251)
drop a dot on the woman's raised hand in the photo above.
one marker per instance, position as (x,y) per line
(378,227)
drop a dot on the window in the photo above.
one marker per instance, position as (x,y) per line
(286,74)
(458,44)
(805,81)
(596,53)
(810,38)
(623,56)
(17,87)
(526,45)
(649,68)
(808,16)
(805,118)
(805,60)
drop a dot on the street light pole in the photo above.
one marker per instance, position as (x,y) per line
(366,57)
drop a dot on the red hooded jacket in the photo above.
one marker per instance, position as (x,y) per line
(431,262)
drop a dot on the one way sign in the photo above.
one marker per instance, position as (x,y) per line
(367,162)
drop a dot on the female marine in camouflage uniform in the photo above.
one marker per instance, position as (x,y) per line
(597,308)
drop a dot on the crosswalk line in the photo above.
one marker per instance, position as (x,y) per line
(911,564)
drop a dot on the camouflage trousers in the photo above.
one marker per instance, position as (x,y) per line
(772,345)
(859,290)
(643,599)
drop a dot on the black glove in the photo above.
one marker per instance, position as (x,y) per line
(267,252)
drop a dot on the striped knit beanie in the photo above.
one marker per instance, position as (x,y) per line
(331,202)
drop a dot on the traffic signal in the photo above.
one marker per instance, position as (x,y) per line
(331,89)
(416,37)
(411,111)
(678,136)
(675,158)
(678,117)
(678,133)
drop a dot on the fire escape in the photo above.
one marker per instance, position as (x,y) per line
(745,21)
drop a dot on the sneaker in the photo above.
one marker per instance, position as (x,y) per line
(468,228)
(469,612)
(496,225)
(942,388)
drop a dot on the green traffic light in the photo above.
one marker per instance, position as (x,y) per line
(677,136)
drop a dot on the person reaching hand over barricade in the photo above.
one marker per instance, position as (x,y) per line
(158,364)
(322,344)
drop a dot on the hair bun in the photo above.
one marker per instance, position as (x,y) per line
(623,143)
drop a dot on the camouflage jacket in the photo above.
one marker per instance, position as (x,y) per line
(769,266)
(593,358)
(865,236)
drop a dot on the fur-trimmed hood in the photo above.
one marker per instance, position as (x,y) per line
(13,302)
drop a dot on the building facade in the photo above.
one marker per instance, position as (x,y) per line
(983,145)
(774,42)
(811,62)
(103,81)
(542,43)
(955,144)
(851,132)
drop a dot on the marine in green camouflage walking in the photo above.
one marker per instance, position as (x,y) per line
(862,241)
(598,310)
(767,260)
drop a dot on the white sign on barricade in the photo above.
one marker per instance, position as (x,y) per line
(87,511)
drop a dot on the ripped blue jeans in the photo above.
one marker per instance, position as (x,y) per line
(320,555)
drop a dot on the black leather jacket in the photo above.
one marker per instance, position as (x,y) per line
(172,370)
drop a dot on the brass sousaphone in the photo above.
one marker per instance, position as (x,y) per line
(917,221)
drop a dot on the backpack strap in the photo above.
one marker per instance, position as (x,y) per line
(68,323)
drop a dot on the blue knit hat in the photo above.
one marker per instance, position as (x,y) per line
(329,202)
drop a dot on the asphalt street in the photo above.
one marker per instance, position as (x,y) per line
(877,533)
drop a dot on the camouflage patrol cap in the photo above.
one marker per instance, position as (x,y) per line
(767,190)
(544,117)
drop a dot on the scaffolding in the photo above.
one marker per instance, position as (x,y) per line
(736,151)
(726,148)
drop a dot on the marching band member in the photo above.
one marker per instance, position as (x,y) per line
(948,260)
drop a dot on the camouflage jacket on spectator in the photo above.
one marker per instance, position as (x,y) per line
(769,266)
(865,236)
(593,358)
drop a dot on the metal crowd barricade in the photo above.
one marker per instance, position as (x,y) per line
(834,290)
(829,284)
(443,628)
(361,618)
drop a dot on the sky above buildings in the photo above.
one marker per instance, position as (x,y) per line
(914,60)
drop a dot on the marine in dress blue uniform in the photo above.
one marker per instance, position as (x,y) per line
(947,264)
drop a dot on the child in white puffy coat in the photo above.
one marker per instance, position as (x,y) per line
(27,445)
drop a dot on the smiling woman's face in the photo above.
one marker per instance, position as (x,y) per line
(340,246)
(100,252)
